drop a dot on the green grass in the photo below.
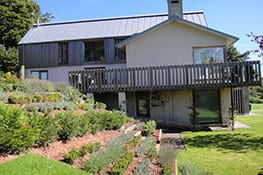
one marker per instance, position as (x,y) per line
(257,108)
(31,164)
(226,152)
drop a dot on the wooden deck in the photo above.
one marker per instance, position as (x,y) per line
(201,76)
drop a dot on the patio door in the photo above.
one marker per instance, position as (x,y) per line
(207,106)
(143,104)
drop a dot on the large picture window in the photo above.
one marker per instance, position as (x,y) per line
(207,106)
(40,75)
(209,55)
(94,51)
(63,54)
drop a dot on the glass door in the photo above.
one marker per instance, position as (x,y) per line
(143,104)
(207,106)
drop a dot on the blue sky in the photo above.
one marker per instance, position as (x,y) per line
(235,17)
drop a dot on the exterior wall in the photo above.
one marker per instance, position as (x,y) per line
(171,108)
(46,54)
(169,45)
(168,108)
(60,73)
(225,101)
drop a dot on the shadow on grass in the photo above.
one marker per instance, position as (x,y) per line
(236,142)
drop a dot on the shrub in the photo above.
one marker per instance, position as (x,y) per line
(101,120)
(120,167)
(84,126)
(113,151)
(131,144)
(89,148)
(46,130)
(18,98)
(71,156)
(38,86)
(50,106)
(100,106)
(37,98)
(53,97)
(16,134)
(147,147)
(143,167)
(68,92)
(166,157)
(149,128)
(67,125)
(74,154)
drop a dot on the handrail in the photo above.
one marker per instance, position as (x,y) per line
(234,74)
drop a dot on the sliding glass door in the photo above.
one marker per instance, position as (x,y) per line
(207,105)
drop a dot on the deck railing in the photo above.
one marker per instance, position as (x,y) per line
(218,75)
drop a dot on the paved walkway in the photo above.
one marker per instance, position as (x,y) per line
(173,139)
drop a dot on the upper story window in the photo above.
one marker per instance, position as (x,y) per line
(63,54)
(120,54)
(94,51)
(40,75)
(209,55)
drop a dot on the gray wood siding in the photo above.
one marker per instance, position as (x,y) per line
(76,53)
(39,55)
(109,51)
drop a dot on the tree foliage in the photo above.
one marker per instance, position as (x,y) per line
(8,59)
(16,18)
(258,39)
(234,55)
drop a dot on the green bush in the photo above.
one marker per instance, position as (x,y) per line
(120,167)
(166,157)
(131,144)
(18,98)
(53,97)
(143,167)
(74,154)
(16,134)
(68,92)
(50,106)
(101,120)
(147,147)
(149,128)
(89,148)
(84,126)
(113,151)
(67,125)
(71,156)
(46,129)
(100,106)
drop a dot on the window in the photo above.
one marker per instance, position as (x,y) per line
(143,104)
(120,54)
(94,51)
(209,55)
(63,54)
(207,106)
(41,75)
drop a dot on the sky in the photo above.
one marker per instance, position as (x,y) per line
(235,17)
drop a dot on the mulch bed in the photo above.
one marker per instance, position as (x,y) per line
(58,149)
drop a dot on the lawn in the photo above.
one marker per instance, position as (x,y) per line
(257,108)
(226,152)
(31,164)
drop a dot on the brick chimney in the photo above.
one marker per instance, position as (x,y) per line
(175,7)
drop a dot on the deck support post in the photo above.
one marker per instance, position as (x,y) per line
(122,101)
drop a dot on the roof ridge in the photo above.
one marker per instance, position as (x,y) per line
(112,18)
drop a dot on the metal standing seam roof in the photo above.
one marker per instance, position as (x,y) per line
(101,28)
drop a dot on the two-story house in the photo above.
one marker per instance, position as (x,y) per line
(161,67)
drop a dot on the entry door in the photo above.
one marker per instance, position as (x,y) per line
(207,106)
(143,104)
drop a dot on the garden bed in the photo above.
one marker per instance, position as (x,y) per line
(58,149)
